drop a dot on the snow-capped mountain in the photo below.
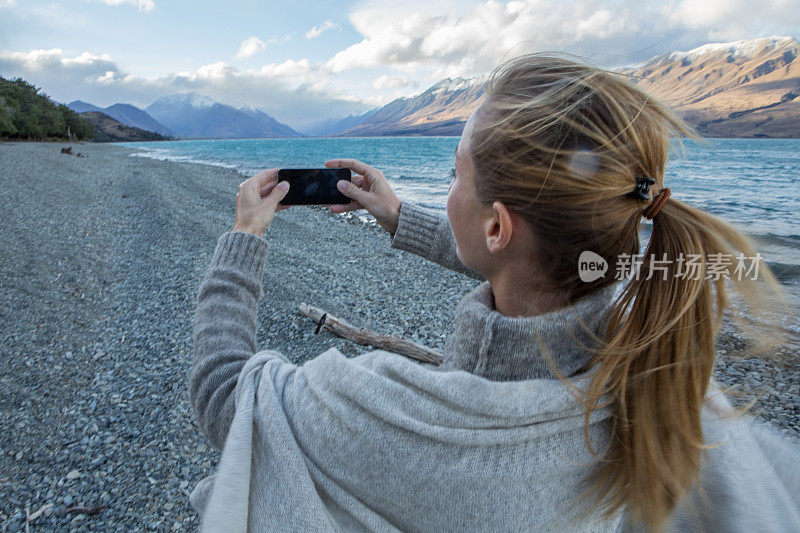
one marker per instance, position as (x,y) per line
(747,49)
(197,116)
(452,85)
(127,114)
(187,100)
(748,88)
(442,109)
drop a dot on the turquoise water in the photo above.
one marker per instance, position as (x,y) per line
(417,167)
(753,183)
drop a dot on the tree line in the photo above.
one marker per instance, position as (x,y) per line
(27,114)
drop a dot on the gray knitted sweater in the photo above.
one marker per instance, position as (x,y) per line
(488,441)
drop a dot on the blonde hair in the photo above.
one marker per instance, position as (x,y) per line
(561,143)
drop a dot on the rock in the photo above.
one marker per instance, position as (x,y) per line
(120,411)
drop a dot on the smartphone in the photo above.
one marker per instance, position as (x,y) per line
(313,186)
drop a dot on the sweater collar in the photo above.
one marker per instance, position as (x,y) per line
(489,344)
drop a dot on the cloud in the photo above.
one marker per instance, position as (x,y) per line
(6,3)
(409,44)
(293,91)
(390,82)
(290,68)
(49,64)
(216,71)
(735,19)
(143,5)
(253,45)
(250,47)
(316,31)
(449,40)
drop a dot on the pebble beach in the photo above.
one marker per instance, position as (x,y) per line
(102,259)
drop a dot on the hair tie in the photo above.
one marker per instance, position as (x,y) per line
(642,189)
(657,204)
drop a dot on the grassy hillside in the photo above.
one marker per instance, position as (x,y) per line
(27,114)
(106,129)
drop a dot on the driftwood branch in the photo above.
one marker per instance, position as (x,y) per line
(78,509)
(391,343)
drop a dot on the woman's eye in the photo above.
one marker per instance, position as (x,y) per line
(452,174)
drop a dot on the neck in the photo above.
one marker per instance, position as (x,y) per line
(512,298)
(503,348)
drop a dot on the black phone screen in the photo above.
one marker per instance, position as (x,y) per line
(310,186)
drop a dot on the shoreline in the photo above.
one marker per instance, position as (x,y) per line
(778,248)
(104,256)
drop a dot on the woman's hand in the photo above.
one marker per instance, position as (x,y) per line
(257,201)
(369,190)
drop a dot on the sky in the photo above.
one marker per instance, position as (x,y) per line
(303,61)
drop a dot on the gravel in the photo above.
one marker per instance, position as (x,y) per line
(103,256)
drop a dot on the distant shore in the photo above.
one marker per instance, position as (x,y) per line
(102,259)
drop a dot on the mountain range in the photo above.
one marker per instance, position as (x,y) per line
(443,109)
(196,116)
(335,125)
(745,88)
(191,115)
(126,114)
(108,129)
(748,88)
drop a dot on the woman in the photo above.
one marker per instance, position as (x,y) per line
(559,404)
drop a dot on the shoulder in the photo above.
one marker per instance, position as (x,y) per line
(378,361)
(375,369)
(387,377)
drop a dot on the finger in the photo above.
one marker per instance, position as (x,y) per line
(360,182)
(353,191)
(343,208)
(353,164)
(265,177)
(277,194)
(266,189)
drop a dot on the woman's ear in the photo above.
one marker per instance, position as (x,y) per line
(499,228)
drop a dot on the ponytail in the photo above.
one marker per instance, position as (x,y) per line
(563,143)
(659,356)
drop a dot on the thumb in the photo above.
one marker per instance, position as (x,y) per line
(278,193)
(351,190)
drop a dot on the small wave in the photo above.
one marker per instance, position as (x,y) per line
(435,179)
(162,155)
(792,241)
(785,272)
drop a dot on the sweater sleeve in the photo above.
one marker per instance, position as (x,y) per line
(427,233)
(224,336)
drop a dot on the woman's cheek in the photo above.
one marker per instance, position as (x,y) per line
(447,206)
